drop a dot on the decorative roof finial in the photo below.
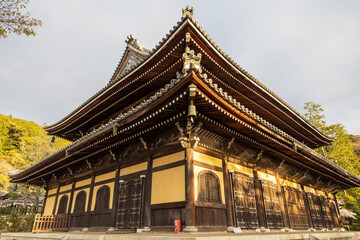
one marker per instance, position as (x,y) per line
(134,42)
(190,61)
(188,12)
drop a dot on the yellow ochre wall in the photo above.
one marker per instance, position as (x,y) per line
(241,169)
(52,191)
(309,189)
(104,177)
(49,205)
(207,159)
(287,183)
(197,169)
(168,185)
(133,169)
(265,176)
(83,183)
(65,188)
(321,193)
(169,159)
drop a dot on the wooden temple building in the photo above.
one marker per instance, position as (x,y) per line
(183,132)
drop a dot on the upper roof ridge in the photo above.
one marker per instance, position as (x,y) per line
(134,46)
(188,12)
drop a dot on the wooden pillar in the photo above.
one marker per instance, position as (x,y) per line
(190,191)
(146,220)
(56,200)
(282,202)
(115,197)
(332,213)
(231,181)
(88,217)
(228,194)
(259,200)
(307,208)
(338,212)
(71,201)
(44,204)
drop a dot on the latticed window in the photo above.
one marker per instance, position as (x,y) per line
(80,202)
(209,188)
(102,198)
(62,205)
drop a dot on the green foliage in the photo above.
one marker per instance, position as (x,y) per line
(314,114)
(13,20)
(351,199)
(23,143)
(5,210)
(341,152)
(16,223)
(355,141)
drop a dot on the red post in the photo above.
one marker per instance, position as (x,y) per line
(177,225)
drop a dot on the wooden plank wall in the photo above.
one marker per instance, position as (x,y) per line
(251,199)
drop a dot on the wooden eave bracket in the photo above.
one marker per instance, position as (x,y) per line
(115,129)
(112,155)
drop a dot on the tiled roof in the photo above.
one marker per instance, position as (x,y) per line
(188,15)
(107,126)
(269,125)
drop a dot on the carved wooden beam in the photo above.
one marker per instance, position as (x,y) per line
(258,156)
(70,171)
(54,177)
(280,165)
(304,175)
(112,155)
(143,142)
(230,143)
(89,164)
(181,130)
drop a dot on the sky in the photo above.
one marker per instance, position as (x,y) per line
(303,50)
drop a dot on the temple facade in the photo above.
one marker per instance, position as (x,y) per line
(182,132)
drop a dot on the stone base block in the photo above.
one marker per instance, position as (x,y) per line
(190,229)
(146,229)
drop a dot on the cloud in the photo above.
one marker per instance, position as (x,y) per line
(302,50)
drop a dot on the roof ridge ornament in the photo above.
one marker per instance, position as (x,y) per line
(190,62)
(132,41)
(188,12)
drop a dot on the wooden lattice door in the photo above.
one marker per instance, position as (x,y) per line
(244,202)
(296,208)
(315,210)
(274,218)
(328,221)
(129,204)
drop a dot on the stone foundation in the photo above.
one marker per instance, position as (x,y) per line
(183,236)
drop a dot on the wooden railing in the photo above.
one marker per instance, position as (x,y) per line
(51,223)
